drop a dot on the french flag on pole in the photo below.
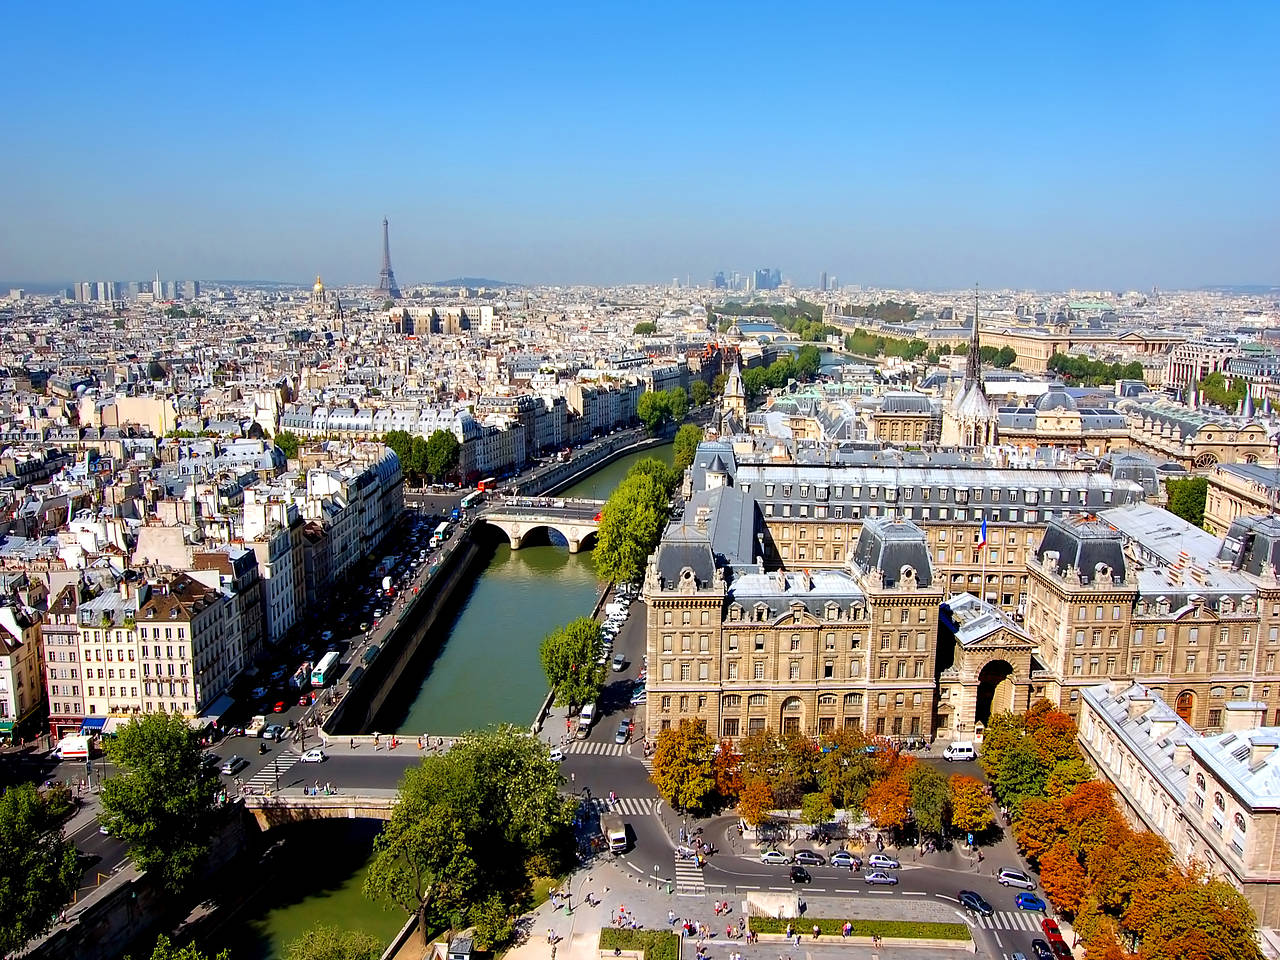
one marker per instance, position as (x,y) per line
(982,541)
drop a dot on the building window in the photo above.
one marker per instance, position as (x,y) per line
(730,726)
(758,670)
(793,671)
(829,669)
(1215,718)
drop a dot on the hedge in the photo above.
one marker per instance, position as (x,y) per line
(656,944)
(889,929)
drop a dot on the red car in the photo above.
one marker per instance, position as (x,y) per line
(1053,934)
(279,707)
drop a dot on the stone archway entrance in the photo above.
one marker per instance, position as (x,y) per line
(995,690)
(1185,705)
(792,720)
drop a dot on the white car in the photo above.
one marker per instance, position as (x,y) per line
(557,755)
(315,755)
(878,861)
(774,856)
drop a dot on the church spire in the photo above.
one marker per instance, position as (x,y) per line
(973,362)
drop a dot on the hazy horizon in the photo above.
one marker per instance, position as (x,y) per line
(926,147)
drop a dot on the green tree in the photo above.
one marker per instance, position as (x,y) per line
(654,409)
(288,443)
(1021,774)
(630,526)
(755,381)
(569,657)
(699,393)
(686,445)
(161,801)
(165,950)
(416,465)
(808,362)
(816,808)
(678,403)
(845,770)
(717,383)
(38,869)
(665,476)
(1187,498)
(1006,357)
(930,799)
(399,442)
(331,942)
(470,825)
(645,328)
(1222,394)
(443,450)
(683,769)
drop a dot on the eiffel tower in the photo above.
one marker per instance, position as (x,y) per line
(386,276)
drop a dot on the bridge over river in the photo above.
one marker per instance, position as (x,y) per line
(575,520)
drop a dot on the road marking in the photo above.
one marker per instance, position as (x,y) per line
(943,896)
(999,942)
(914,893)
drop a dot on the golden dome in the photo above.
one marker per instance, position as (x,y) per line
(319,287)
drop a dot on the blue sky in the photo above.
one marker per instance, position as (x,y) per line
(934,145)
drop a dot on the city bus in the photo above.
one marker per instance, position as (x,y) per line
(488,483)
(326,670)
(470,499)
(442,531)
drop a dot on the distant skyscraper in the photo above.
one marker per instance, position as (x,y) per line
(833,285)
(387,277)
(157,288)
(822,282)
(718,280)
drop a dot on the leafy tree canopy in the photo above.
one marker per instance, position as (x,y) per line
(1092,373)
(645,328)
(38,869)
(1187,498)
(288,443)
(472,826)
(569,657)
(166,950)
(699,393)
(331,942)
(686,444)
(161,800)
(683,768)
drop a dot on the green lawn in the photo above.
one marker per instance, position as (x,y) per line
(889,929)
(656,944)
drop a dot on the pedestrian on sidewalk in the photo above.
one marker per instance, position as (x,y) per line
(671,917)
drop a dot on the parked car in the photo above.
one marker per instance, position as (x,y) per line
(259,693)
(639,697)
(880,877)
(315,755)
(846,860)
(879,861)
(1010,877)
(279,707)
(975,902)
(1029,901)
(809,858)
(234,765)
(800,875)
(1041,950)
(774,856)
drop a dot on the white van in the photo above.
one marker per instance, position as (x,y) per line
(585,719)
(960,750)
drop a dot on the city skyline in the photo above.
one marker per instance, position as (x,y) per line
(927,148)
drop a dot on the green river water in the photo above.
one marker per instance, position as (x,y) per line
(487,673)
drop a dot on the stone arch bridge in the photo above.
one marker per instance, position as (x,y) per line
(575,520)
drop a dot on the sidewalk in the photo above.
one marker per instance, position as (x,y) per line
(650,906)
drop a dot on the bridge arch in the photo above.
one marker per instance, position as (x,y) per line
(285,809)
(575,533)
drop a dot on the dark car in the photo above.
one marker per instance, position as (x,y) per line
(1029,901)
(1041,950)
(809,858)
(800,875)
(974,901)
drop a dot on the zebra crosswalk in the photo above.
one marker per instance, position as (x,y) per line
(267,776)
(689,879)
(596,749)
(1028,920)
(626,806)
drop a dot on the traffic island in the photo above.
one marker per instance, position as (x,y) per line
(864,933)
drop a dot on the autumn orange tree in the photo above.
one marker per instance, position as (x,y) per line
(755,800)
(888,803)
(726,767)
